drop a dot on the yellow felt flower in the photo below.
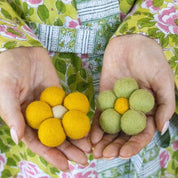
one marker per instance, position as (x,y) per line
(57,116)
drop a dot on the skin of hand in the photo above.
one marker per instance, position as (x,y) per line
(24,74)
(141,58)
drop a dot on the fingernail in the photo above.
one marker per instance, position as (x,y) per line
(166,125)
(90,152)
(98,158)
(85,165)
(109,158)
(67,170)
(14,135)
(124,157)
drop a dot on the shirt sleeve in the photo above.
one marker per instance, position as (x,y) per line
(157,19)
(14,32)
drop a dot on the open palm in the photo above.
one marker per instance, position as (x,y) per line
(141,58)
(24,74)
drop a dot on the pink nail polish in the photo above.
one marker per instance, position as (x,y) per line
(14,135)
(165,127)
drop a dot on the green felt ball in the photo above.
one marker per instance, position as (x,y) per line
(105,100)
(123,88)
(110,121)
(141,100)
(133,122)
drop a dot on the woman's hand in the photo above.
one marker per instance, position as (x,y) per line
(141,58)
(24,74)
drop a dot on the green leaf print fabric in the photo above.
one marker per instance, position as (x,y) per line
(157,20)
(14,31)
(77,58)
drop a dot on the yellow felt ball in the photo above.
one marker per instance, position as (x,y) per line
(53,95)
(37,112)
(77,101)
(121,105)
(51,132)
(76,124)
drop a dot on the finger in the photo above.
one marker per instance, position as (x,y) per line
(113,149)
(10,111)
(138,142)
(73,153)
(51,155)
(96,132)
(106,140)
(83,144)
(165,98)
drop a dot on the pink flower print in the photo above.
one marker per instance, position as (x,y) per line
(73,24)
(30,170)
(26,29)
(84,64)
(34,3)
(66,1)
(86,172)
(12,32)
(84,56)
(77,171)
(175,145)
(71,167)
(166,20)
(69,22)
(79,22)
(65,175)
(89,174)
(164,158)
(51,53)
(148,4)
(92,165)
(2,162)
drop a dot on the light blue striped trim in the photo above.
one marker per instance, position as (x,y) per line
(173,126)
(93,10)
(52,36)
(48,36)
(173,130)
(103,164)
(85,38)
(150,168)
(137,161)
(89,38)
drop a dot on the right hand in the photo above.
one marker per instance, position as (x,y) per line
(24,74)
(141,58)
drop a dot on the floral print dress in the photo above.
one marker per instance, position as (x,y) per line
(76,33)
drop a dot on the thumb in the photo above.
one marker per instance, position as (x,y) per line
(165,96)
(10,111)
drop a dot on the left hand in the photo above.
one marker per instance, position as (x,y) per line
(141,58)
